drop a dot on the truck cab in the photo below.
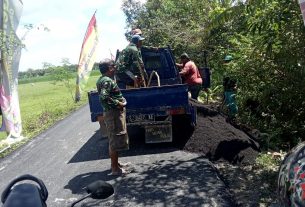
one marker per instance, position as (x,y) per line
(159,108)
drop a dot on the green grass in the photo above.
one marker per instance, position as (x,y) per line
(268,161)
(46,78)
(35,79)
(95,73)
(44,103)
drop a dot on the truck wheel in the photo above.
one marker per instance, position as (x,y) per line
(136,136)
(182,129)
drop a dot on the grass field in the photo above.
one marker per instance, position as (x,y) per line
(44,103)
(49,78)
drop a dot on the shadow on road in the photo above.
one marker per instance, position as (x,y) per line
(170,182)
(96,148)
(78,184)
(93,149)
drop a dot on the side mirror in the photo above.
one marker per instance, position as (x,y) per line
(97,190)
(100,190)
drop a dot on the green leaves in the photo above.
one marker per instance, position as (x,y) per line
(266,40)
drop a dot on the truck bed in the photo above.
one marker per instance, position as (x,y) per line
(146,99)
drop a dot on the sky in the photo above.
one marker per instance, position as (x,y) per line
(68,21)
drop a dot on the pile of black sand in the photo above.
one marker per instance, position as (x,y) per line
(219,140)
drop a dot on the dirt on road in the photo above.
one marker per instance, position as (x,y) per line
(233,152)
(219,140)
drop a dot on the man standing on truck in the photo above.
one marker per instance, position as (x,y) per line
(113,104)
(130,66)
(190,74)
(138,31)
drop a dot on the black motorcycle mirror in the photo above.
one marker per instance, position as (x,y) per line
(97,190)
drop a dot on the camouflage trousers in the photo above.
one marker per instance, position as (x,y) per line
(115,120)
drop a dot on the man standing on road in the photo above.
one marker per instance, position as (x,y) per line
(130,66)
(113,104)
(191,75)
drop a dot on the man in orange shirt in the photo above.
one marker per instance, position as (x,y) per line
(190,75)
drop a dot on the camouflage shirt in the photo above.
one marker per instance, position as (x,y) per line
(130,59)
(109,93)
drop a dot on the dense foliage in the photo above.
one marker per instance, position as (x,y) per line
(266,40)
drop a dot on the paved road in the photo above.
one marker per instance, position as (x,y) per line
(73,153)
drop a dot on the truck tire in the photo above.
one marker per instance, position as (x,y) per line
(182,129)
(136,136)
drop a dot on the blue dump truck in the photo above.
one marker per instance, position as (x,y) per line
(162,110)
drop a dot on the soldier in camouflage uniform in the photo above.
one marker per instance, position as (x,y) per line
(130,66)
(113,104)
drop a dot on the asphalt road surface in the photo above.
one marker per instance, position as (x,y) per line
(74,153)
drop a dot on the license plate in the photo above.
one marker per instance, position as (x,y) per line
(158,133)
(140,118)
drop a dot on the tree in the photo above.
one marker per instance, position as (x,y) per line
(61,74)
(266,40)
